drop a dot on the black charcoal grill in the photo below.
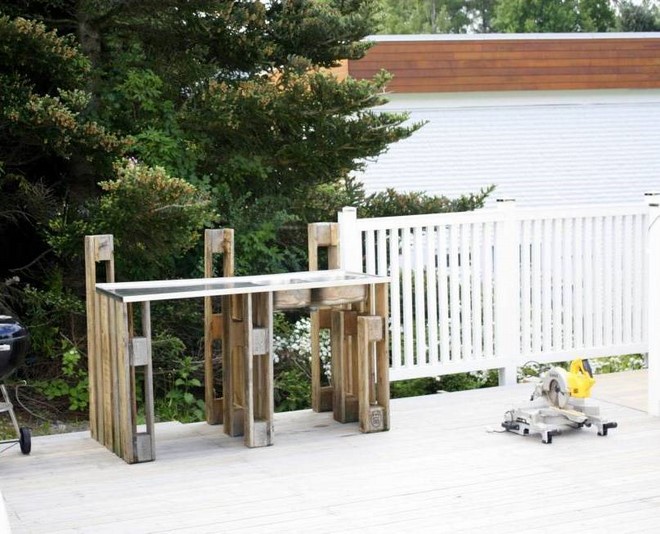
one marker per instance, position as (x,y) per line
(13,348)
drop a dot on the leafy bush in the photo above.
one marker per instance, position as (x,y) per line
(413,387)
(183,401)
(292,362)
(72,385)
(463,381)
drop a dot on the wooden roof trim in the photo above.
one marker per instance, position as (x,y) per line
(511,64)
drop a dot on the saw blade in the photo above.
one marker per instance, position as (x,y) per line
(556,395)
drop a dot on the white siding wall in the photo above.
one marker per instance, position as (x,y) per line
(544,148)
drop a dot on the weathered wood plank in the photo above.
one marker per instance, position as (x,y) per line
(492,65)
(437,469)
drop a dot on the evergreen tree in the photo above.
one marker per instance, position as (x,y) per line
(644,17)
(550,16)
(232,96)
(424,16)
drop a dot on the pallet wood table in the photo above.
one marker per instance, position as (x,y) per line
(122,344)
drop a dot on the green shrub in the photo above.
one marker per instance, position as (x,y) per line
(292,363)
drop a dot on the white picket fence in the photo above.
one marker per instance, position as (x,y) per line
(495,288)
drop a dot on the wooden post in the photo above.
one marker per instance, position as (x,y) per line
(653,316)
(507,298)
(343,345)
(258,366)
(321,235)
(215,242)
(350,253)
(98,248)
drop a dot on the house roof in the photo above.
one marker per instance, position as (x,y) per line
(513,62)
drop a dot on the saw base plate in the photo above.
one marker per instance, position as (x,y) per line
(549,421)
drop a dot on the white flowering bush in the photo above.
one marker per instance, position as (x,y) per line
(297,345)
(292,362)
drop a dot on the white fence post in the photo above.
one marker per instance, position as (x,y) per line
(507,293)
(350,247)
(653,315)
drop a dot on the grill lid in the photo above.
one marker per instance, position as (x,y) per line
(10,328)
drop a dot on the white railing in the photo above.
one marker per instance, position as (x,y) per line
(495,288)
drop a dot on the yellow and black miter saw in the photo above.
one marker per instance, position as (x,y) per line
(560,401)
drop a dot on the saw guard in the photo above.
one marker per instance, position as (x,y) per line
(555,387)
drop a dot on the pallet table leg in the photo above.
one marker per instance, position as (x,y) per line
(258,386)
(233,369)
(136,446)
(219,241)
(344,402)
(321,395)
(373,416)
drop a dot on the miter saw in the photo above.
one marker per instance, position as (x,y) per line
(559,401)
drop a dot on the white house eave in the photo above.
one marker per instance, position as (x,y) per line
(421,101)
(509,36)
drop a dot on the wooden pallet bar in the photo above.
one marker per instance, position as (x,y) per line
(121,348)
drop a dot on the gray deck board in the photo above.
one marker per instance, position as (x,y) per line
(438,470)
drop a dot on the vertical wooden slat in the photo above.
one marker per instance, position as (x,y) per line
(537,286)
(216,241)
(370,251)
(106,372)
(149,415)
(406,282)
(98,248)
(248,366)
(525,288)
(578,260)
(639,274)
(443,293)
(618,286)
(320,235)
(475,284)
(598,288)
(568,267)
(608,277)
(546,303)
(96,373)
(589,281)
(382,357)
(487,281)
(382,269)
(126,391)
(430,269)
(628,262)
(465,292)
(557,225)
(338,348)
(395,302)
(115,374)
(454,295)
(419,297)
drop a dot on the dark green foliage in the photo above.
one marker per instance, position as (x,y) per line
(424,16)
(391,203)
(546,16)
(463,381)
(293,390)
(413,388)
(634,17)
(521,16)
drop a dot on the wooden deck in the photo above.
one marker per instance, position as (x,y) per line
(438,470)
